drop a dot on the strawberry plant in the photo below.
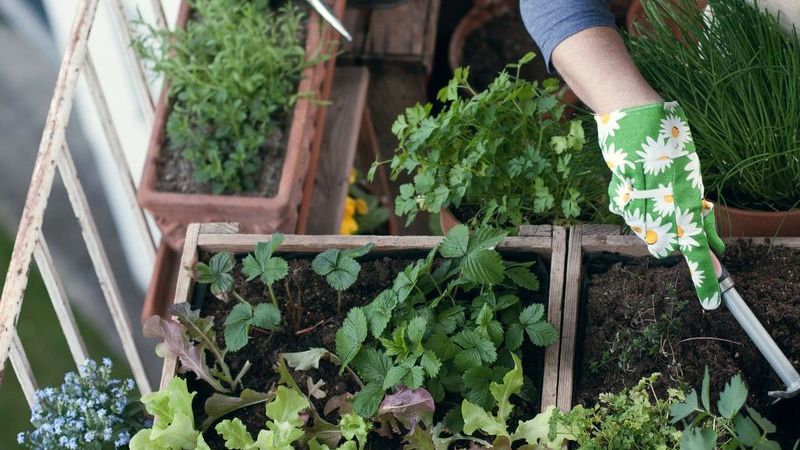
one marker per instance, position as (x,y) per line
(450,327)
(507,153)
(340,268)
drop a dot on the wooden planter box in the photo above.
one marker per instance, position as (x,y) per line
(588,239)
(173,212)
(548,242)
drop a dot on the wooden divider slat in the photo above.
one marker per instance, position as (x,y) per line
(569,326)
(554,310)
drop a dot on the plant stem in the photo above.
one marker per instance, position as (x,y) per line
(339,302)
(272,294)
(238,297)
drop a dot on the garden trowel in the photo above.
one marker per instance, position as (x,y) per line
(766,345)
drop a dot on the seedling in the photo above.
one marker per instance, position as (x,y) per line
(340,268)
(265,266)
(243,316)
(217,273)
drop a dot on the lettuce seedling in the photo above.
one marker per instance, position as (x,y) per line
(284,426)
(340,268)
(262,264)
(173,428)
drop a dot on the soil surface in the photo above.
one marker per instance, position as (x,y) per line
(307,303)
(501,41)
(646,311)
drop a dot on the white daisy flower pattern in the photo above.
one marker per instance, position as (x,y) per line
(686,229)
(655,156)
(665,203)
(710,303)
(675,131)
(694,176)
(697,274)
(636,222)
(623,194)
(608,124)
(616,158)
(660,240)
(657,190)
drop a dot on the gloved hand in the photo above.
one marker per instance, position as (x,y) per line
(656,186)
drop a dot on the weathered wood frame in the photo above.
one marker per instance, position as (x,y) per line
(583,240)
(549,242)
(54,156)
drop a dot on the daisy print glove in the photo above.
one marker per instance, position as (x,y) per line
(657,188)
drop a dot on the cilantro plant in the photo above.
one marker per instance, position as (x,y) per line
(340,268)
(733,426)
(508,153)
(233,74)
(450,327)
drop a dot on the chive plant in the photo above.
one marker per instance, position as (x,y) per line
(737,75)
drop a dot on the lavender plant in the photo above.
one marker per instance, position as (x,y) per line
(90,410)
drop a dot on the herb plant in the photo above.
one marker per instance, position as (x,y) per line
(507,153)
(90,410)
(450,328)
(733,426)
(737,75)
(340,268)
(233,74)
(628,419)
(173,428)
(263,265)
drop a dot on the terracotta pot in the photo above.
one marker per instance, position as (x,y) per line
(174,211)
(447,220)
(482,13)
(734,222)
(161,290)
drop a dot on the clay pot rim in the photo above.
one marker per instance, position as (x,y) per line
(149,196)
(792,213)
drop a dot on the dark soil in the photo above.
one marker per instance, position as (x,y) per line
(501,41)
(628,297)
(307,303)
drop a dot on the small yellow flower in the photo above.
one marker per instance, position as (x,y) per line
(361,206)
(353,176)
(349,226)
(349,207)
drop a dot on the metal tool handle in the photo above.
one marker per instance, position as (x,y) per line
(760,337)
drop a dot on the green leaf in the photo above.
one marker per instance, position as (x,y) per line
(394,376)
(266,316)
(339,267)
(698,439)
(484,266)
(351,336)
(542,333)
(705,391)
(523,278)
(305,360)
(531,314)
(732,397)
(454,244)
(235,434)
(237,326)
(217,274)
(415,330)
(512,384)
(514,336)
(368,399)
(219,405)
(475,350)
(263,265)
(688,406)
(287,406)
(379,312)
(174,425)
(762,422)
(746,430)
(476,418)
(430,363)
(354,427)
(372,365)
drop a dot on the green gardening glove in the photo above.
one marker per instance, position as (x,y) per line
(657,188)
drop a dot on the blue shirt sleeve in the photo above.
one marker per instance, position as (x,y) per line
(551,21)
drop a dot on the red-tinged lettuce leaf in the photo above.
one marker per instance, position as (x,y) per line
(409,406)
(175,344)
